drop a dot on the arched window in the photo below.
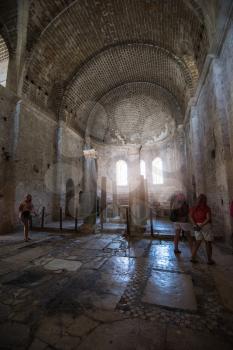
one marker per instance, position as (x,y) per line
(4,59)
(143,168)
(121,173)
(157,171)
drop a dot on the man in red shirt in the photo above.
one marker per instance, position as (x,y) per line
(200,217)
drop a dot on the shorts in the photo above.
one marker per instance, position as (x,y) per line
(184,226)
(25,217)
(205,233)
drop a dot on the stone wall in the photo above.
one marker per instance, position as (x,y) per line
(68,169)
(35,152)
(38,156)
(8,110)
(209,139)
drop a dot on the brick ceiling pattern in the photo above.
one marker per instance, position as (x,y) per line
(133,113)
(88,27)
(124,64)
(80,50)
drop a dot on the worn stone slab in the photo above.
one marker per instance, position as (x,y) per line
(184,339)
(13,335)
(81,326)
(224,284)
(114,245)
(97,244)
(111,283)
(95,263)
(61,264)
(4,312)
(126,335)
(170,289)
(120,265)
(102,301)
(38,345)
(105,315)
(27,255)
(53,331)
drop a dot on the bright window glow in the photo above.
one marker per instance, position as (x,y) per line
(143,168)
(157,171)
(121,173)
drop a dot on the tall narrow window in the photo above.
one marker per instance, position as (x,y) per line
(4,58)
(143,168)
(157,171)
(121,173)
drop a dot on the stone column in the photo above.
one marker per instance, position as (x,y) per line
(103,199)
(146,197)
(88,205)
(136,194)
(114,199)
(197,151)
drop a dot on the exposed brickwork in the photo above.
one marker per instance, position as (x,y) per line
(134,113)
(112,68)
(111,23)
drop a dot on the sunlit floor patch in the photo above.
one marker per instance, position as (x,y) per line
(170,289)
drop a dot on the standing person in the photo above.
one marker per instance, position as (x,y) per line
(200,217)
(180,207)
(25,209)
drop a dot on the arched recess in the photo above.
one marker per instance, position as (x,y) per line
(69,201)
(4,61)
(136,112)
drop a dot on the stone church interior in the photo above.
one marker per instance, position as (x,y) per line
(110,110)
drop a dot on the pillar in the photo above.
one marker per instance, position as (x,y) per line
(136,194)
(103,199)
(114,199)
(88,202)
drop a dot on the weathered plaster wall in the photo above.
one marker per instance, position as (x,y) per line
(209,139)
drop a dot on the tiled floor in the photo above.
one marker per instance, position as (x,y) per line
(69,291)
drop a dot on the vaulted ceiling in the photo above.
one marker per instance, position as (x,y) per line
(79,52)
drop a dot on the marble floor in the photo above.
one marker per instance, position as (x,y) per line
(102,291)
